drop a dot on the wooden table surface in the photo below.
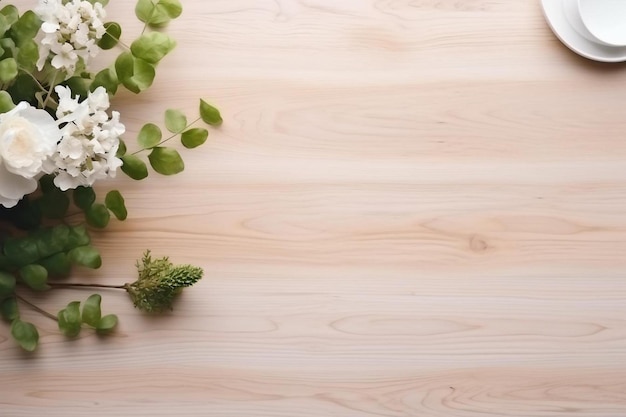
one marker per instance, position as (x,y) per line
(413,208)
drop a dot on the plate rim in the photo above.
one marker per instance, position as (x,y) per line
(557,19)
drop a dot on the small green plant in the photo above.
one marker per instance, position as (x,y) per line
(59,137)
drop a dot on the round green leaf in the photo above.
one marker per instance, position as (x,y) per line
(8,47)
(58,265)
(115,202)
(91,310)
(135,74)
(157,13)
(8,69)
(4,24)
(21,251)
(76,236)
(144,10)
(107,323)
(106,78)
(11,14)
(175,120)
(25,334)
(6,102)
(111,36)
(26,27)
(166,161)
(172,8)
(27,55)
(86,256)
(209,114)
(7,284)
(35,276)
(194,137)
(134,167)
(69,319)
(9,309)
(84,197)
(98,215)
(149,136)
(152,47)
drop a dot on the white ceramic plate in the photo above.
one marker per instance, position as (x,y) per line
(605,19)
(563,18)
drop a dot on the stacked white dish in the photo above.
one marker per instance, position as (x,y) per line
(595,29)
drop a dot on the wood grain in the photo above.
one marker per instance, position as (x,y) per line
(414,208)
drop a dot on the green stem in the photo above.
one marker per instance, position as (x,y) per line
(41,87)
(52,85)
(168,138)
(77,285)
(36,308)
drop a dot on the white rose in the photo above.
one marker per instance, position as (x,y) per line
(28,136)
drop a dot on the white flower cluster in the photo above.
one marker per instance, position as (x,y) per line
(71,32)
(90,140)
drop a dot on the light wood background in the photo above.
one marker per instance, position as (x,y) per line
(414,208)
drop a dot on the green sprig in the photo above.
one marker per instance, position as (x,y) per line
(159,282)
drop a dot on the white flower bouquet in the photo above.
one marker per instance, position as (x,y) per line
(59,137)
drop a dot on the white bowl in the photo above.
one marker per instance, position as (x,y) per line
(605,20)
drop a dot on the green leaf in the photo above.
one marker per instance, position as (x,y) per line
(166,161)
(11,14)
(106,78)
(78,86)
(58,265)
(8,47)
(134,167)
(6,102)
(152,47)
(7,284)
(135,74)
(84,197)
(107,323)
(8,70)
(209,114)
(26,27)
(97,215)
(4,25)
(111,36)
(157,14)
(91,310)
(76,236)
(175,120)
(115,202)
(35,276)
(102,2)
(22,251)
(9,309)
(25,334)
(144,10)
(149,136)
(27,55)
(86,256)
(69,319)
(194,137)
(121,151)
(172,8)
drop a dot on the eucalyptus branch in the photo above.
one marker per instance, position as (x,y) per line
(172,136)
